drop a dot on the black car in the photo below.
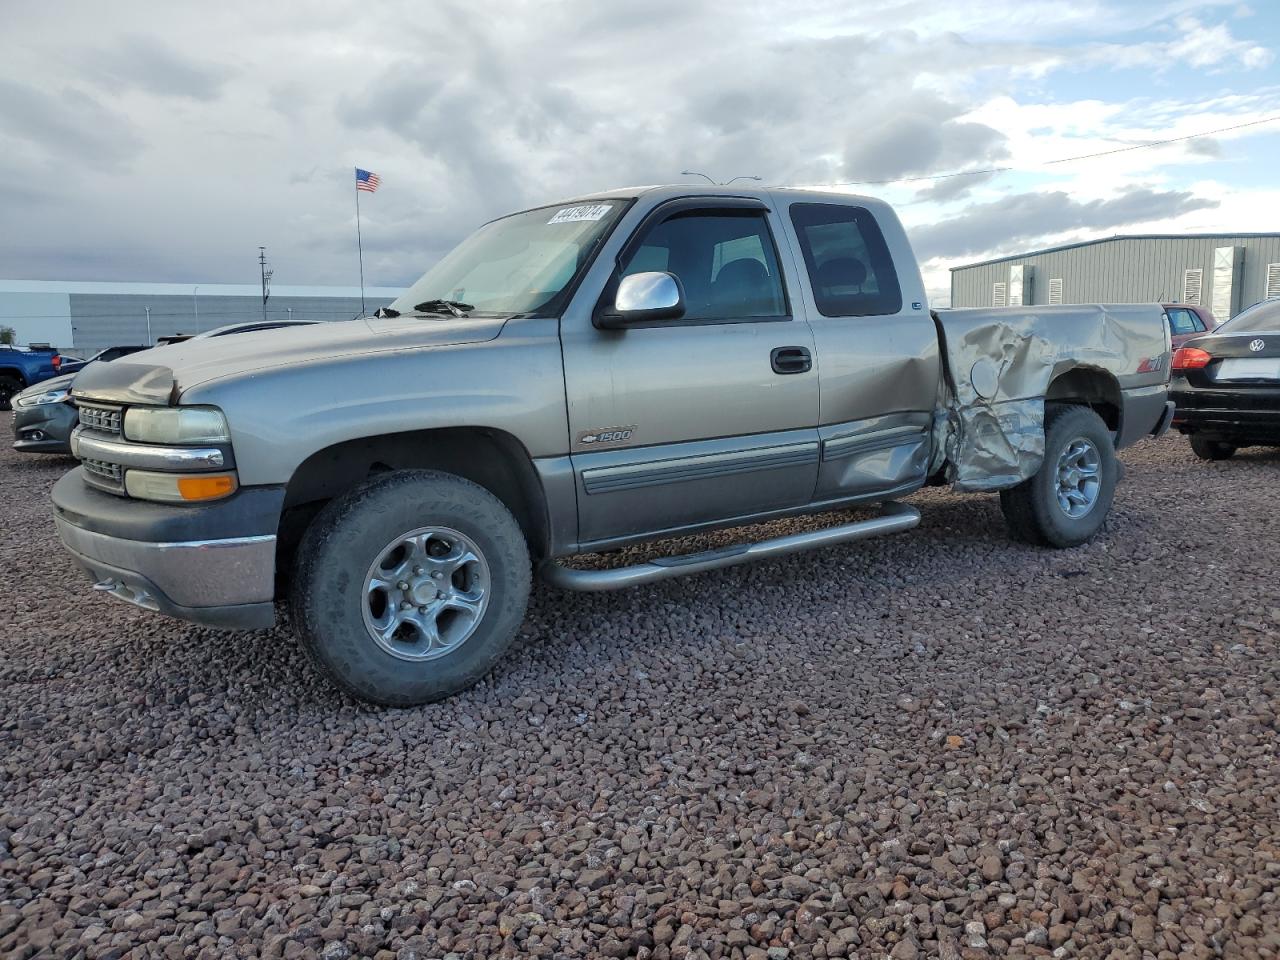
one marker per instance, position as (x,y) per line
(72,365)
(1226,385)
(43,416)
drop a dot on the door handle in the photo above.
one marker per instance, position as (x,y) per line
(790,360)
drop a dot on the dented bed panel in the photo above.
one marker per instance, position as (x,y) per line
(1002,362)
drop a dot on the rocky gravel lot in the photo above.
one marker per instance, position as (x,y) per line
(936,745)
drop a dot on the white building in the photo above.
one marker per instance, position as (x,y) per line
(81,318)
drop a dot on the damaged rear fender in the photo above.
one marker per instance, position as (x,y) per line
(1003,365)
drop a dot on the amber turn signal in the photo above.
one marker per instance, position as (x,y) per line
(206,487)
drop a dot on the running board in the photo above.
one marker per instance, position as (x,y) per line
(894,518)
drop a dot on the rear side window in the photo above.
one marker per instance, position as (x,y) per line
(848,261)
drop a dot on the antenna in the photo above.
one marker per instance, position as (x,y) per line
(724,183)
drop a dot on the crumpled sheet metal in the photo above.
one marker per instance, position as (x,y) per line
(1002,361)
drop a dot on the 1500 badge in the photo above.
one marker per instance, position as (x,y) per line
(607,435)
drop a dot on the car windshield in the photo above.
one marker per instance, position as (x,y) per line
(1262,317)
(521,264)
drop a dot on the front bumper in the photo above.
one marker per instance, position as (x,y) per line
(43,428)
(213,564)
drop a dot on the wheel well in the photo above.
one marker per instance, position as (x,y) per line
(13,372)
(1093,388)
(493,459)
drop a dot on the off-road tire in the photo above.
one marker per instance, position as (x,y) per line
(1207,449)
(327,592)
(1031,510)
(8,387)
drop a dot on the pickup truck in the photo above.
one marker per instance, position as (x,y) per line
(623,367)
(20,368)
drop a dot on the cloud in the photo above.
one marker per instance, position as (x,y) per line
(1204,46)
(69,124)
(1205,147)
(1194,45)
(1020,219)
(144,63)
(243,121)
(952,188)
(916,133)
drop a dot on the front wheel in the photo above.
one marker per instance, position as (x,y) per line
(409,588)
(1207,449)
(1068,499)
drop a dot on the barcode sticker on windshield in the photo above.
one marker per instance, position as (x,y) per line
(573,214)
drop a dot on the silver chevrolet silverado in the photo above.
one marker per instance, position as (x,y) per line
(622,367)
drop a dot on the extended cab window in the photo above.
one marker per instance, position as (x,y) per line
(848,261)
(725,260)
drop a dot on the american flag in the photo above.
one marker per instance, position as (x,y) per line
(367,181)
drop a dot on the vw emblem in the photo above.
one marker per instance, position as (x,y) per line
(1256,345)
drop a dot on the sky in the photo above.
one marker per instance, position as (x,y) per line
(166,142)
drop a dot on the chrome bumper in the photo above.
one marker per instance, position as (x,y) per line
(225,583)
(144,456)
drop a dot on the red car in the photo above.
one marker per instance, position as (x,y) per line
(1187,320)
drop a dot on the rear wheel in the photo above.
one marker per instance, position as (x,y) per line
(1207,449)
(409,588)
(8,387)
(1068,499)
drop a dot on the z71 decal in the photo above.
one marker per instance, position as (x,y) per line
(607,435)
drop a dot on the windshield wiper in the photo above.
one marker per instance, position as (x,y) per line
(454,307)
(385,313)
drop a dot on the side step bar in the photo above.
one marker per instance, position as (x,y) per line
(894,518)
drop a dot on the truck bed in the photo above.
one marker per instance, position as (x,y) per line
(1000,364)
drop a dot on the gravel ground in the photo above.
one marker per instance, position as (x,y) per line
(939,744)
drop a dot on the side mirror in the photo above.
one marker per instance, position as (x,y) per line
(643,298)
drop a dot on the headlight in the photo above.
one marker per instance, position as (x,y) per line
(176,425)
(49,396)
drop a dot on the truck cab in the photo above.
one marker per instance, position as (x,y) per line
(803,331)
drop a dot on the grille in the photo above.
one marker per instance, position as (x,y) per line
(103,474)
(102,419)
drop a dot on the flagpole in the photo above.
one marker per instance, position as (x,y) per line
(360,245)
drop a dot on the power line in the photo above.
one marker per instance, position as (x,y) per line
(1049,163)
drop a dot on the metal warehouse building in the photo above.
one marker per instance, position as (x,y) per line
(1225,272)
(81,318)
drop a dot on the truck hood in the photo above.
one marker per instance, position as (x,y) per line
(160,375)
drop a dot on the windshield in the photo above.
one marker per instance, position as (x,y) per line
(1262,317)
(520,264)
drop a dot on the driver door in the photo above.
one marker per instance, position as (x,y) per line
(703,420)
